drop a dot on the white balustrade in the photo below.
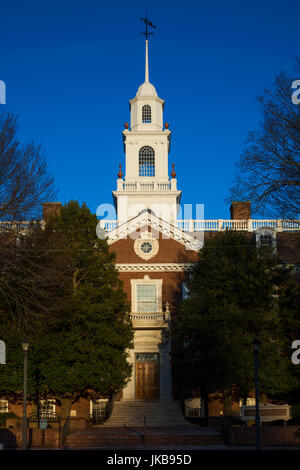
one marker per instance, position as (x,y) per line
(147,316)
(219,225)
(191,225)
(139,185)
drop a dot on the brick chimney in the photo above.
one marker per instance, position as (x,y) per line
(240,210)
(50,209)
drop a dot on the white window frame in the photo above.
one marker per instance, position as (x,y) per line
(250,401)
(97,400)
(147,168)
(3,406)
(146,281)
(146,114)
(51,403)
(262,231)
(185,291)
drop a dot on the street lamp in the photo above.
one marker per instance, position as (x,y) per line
(256,346)
(25,347)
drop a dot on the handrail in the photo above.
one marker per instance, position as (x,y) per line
(65,431)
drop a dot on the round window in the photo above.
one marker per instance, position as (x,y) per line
(146,247)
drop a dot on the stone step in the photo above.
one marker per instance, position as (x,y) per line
(156,413)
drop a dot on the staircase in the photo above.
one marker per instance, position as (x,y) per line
(149,413)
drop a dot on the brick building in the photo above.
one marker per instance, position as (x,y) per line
(154,249)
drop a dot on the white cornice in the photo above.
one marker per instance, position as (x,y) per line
(143,194)
(168,230)
(153,267)
(146,133)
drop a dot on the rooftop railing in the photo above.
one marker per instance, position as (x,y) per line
(16,226)
(219,225)
(192,225)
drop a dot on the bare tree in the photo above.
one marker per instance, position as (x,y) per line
(24,179)
(268,173)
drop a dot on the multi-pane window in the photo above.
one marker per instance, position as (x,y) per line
(185,291)
(98,411)
(247,402)
(146,298)
(146,161)
(47,406)
(266,239)
(3,406)
(146,113)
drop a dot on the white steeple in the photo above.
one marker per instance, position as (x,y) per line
(146,63)
(146,145)
(146,96)
(146,88)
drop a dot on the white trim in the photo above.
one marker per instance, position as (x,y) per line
(145,236)
(3,406)
(153,267)
(146,280)
(168,230)
(49,403)
(263,231)
(96,400)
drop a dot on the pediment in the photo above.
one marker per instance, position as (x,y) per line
(146,222)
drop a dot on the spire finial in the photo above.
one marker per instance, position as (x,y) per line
(173,174)
(146,63)
(147,33)
(120,174)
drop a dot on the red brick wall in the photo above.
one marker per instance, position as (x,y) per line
(270,436)
(50,209)
(12,438)
(170,251)
(240,210)
(288,247)
(82,408)
(171,284)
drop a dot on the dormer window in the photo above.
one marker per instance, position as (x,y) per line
(266,236)
(146,113)
(146,161)
(266,240)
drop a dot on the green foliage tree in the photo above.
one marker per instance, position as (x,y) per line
(63,292)
(235,293)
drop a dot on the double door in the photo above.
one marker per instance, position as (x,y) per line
(146,376)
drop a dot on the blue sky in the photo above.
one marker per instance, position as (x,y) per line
(70,68)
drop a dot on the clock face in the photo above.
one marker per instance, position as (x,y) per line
(146,247)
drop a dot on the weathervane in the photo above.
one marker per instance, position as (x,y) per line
(147,33)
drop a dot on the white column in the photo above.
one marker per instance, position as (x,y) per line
(129,389)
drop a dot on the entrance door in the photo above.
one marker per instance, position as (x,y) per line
(146,376)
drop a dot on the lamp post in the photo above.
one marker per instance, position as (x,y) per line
(256,345)
(25,347)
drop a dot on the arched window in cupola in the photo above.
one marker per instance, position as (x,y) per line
(146,161)
(146,113)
